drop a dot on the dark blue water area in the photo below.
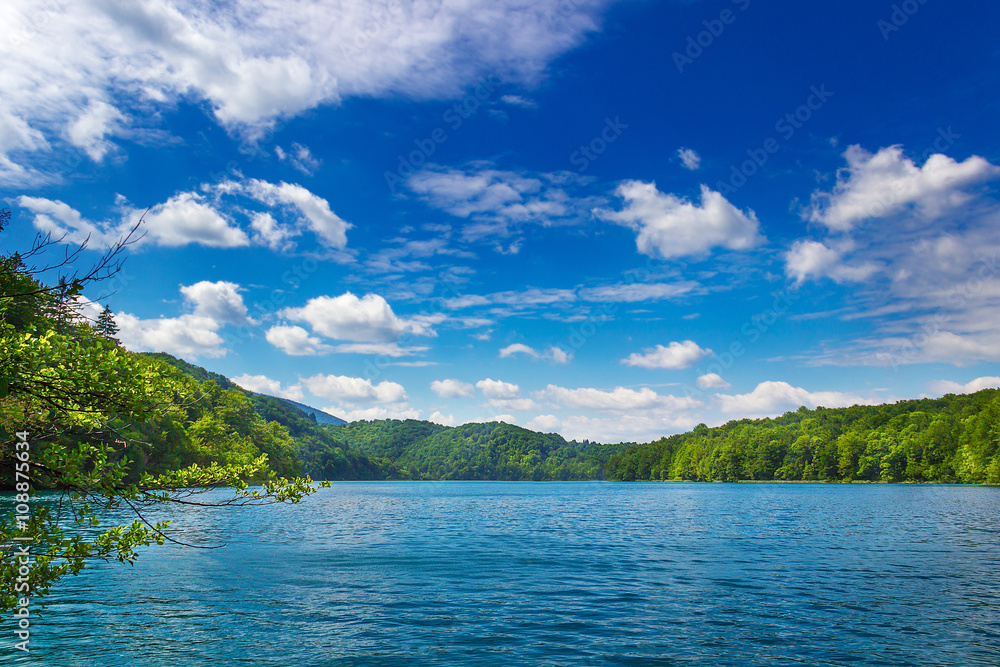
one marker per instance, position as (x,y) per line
(497,573)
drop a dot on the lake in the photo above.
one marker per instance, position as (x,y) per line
(587,573)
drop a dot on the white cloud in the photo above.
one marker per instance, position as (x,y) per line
(300,157)
(811,259)
(296,341)
(689,158)
(544,424)
(515,404)
(67,65)
(271,233)
(770,399)
(518,101)
(675,356)
(672,226)
(355,390)
(315,211)
(191,335)
(712,381)
(618,399)
(875,186)
(498,389)
(346,317)
(554,354)
(948,387)
(452,388)
(370,414)
(633,292)
(89,130)
(442,419)
(187,336)
(386,349)
(183,219)
(220,301)
(493,200)
(642,427)
(262,384)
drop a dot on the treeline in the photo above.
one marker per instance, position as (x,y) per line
(953,439)
(486,451)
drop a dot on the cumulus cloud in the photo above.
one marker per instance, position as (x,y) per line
(346,317)
(674,356)
(770,399)
(875,186)
(689,158)
(444,420)
(262,384)
(948,387)
(544,424)
(498,389)
(355,390)
(191,335)
(85,72)
(296,341)
(712,381)
(672,226)
(554,354)
(450,388)
(220,301)
(187,336)
(184,219)
(314,211)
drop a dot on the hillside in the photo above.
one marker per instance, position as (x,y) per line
(495,450)
(950,439)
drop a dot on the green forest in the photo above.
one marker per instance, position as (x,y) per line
(953,439)
(486,451)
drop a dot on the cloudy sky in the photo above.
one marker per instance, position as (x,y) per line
(612,220)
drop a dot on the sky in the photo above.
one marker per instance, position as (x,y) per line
(610,220)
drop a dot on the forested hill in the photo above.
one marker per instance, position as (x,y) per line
(383,449)
(487,451)
(950,439)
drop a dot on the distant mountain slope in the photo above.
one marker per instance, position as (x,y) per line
(955,438)
(321,417)
(320,454)
(490,451)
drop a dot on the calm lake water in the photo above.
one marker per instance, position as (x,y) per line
(490,573)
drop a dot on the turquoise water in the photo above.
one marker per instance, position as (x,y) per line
(484,573)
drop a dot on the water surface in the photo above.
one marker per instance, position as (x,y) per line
(490,573)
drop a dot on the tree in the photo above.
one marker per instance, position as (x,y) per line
(106,324)
(69,398)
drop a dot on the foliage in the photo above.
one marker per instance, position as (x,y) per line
(109,429)
(951,439)
(489,451)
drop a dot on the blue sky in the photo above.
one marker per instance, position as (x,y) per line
(612,220)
